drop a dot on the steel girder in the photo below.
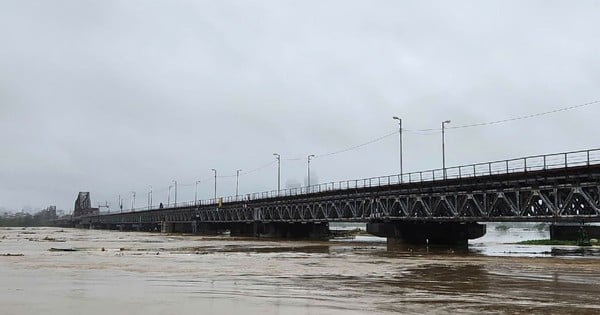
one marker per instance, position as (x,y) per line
(562,202)
(568,202)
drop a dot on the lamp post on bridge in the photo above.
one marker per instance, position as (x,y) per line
(175,182)
(400,137)
(214,170)
(196,193)
(444,146)
(278,157)
(308,167)
(150,198)
(169,196)
(237,183)
(133,201)
(120,204)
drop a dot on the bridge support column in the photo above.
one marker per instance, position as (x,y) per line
(574,232)
(204,228)
(182,227)
(427,233)
(310,230)
(166,227)
(244,229)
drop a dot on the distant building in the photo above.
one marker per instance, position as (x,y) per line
(46,214)
(83,205)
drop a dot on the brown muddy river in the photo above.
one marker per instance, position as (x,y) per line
(142,273)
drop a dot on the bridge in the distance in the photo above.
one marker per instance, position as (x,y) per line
(435,206)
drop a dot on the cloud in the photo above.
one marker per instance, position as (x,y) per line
(113,96)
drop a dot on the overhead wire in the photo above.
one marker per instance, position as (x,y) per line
(423,132)
(494,122)
(356,146)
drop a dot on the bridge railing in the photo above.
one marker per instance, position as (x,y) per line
(519,165)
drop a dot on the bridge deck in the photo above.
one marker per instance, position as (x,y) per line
(571,193)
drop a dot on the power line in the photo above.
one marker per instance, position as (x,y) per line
(422,132)
(508,119)
(257,169)
(356,146)
(527,116)
(431,131)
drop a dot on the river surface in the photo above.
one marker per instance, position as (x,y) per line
(143,273)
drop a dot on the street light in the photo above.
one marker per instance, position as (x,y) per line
(400,134)
(196,193)
(308,166)
(174,181)
(150,198)
(169,196)
(444,146)
(214,170)
(133,201)
(237,183)
(278,172)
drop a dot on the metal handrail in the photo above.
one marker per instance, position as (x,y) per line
(499,167)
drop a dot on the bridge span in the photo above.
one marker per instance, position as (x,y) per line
(443,206)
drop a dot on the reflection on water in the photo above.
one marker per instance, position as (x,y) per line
(142,273)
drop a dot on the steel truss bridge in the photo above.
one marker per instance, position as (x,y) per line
(546,188)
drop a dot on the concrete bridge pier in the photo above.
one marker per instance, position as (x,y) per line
(249,229)
(166,227)
(284,230)
(203,228)
(176,227)
(148,227)
(183,227)
(574,232)
(102,226)
(427,233)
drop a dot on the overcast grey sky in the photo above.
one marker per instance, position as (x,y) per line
(113,96)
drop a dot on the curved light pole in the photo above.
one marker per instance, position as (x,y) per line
(175,182)
(400,134)
(308,166)
(278,157)
(444,146)
(214,170)
(237,183)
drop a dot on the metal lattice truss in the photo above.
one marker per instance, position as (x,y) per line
(554,187)
(564,202)
(517,204)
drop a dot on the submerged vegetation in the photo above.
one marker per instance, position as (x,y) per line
(507,226)
(348,233)
(592,242)
(502,227)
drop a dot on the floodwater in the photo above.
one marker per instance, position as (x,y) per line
(143,273)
